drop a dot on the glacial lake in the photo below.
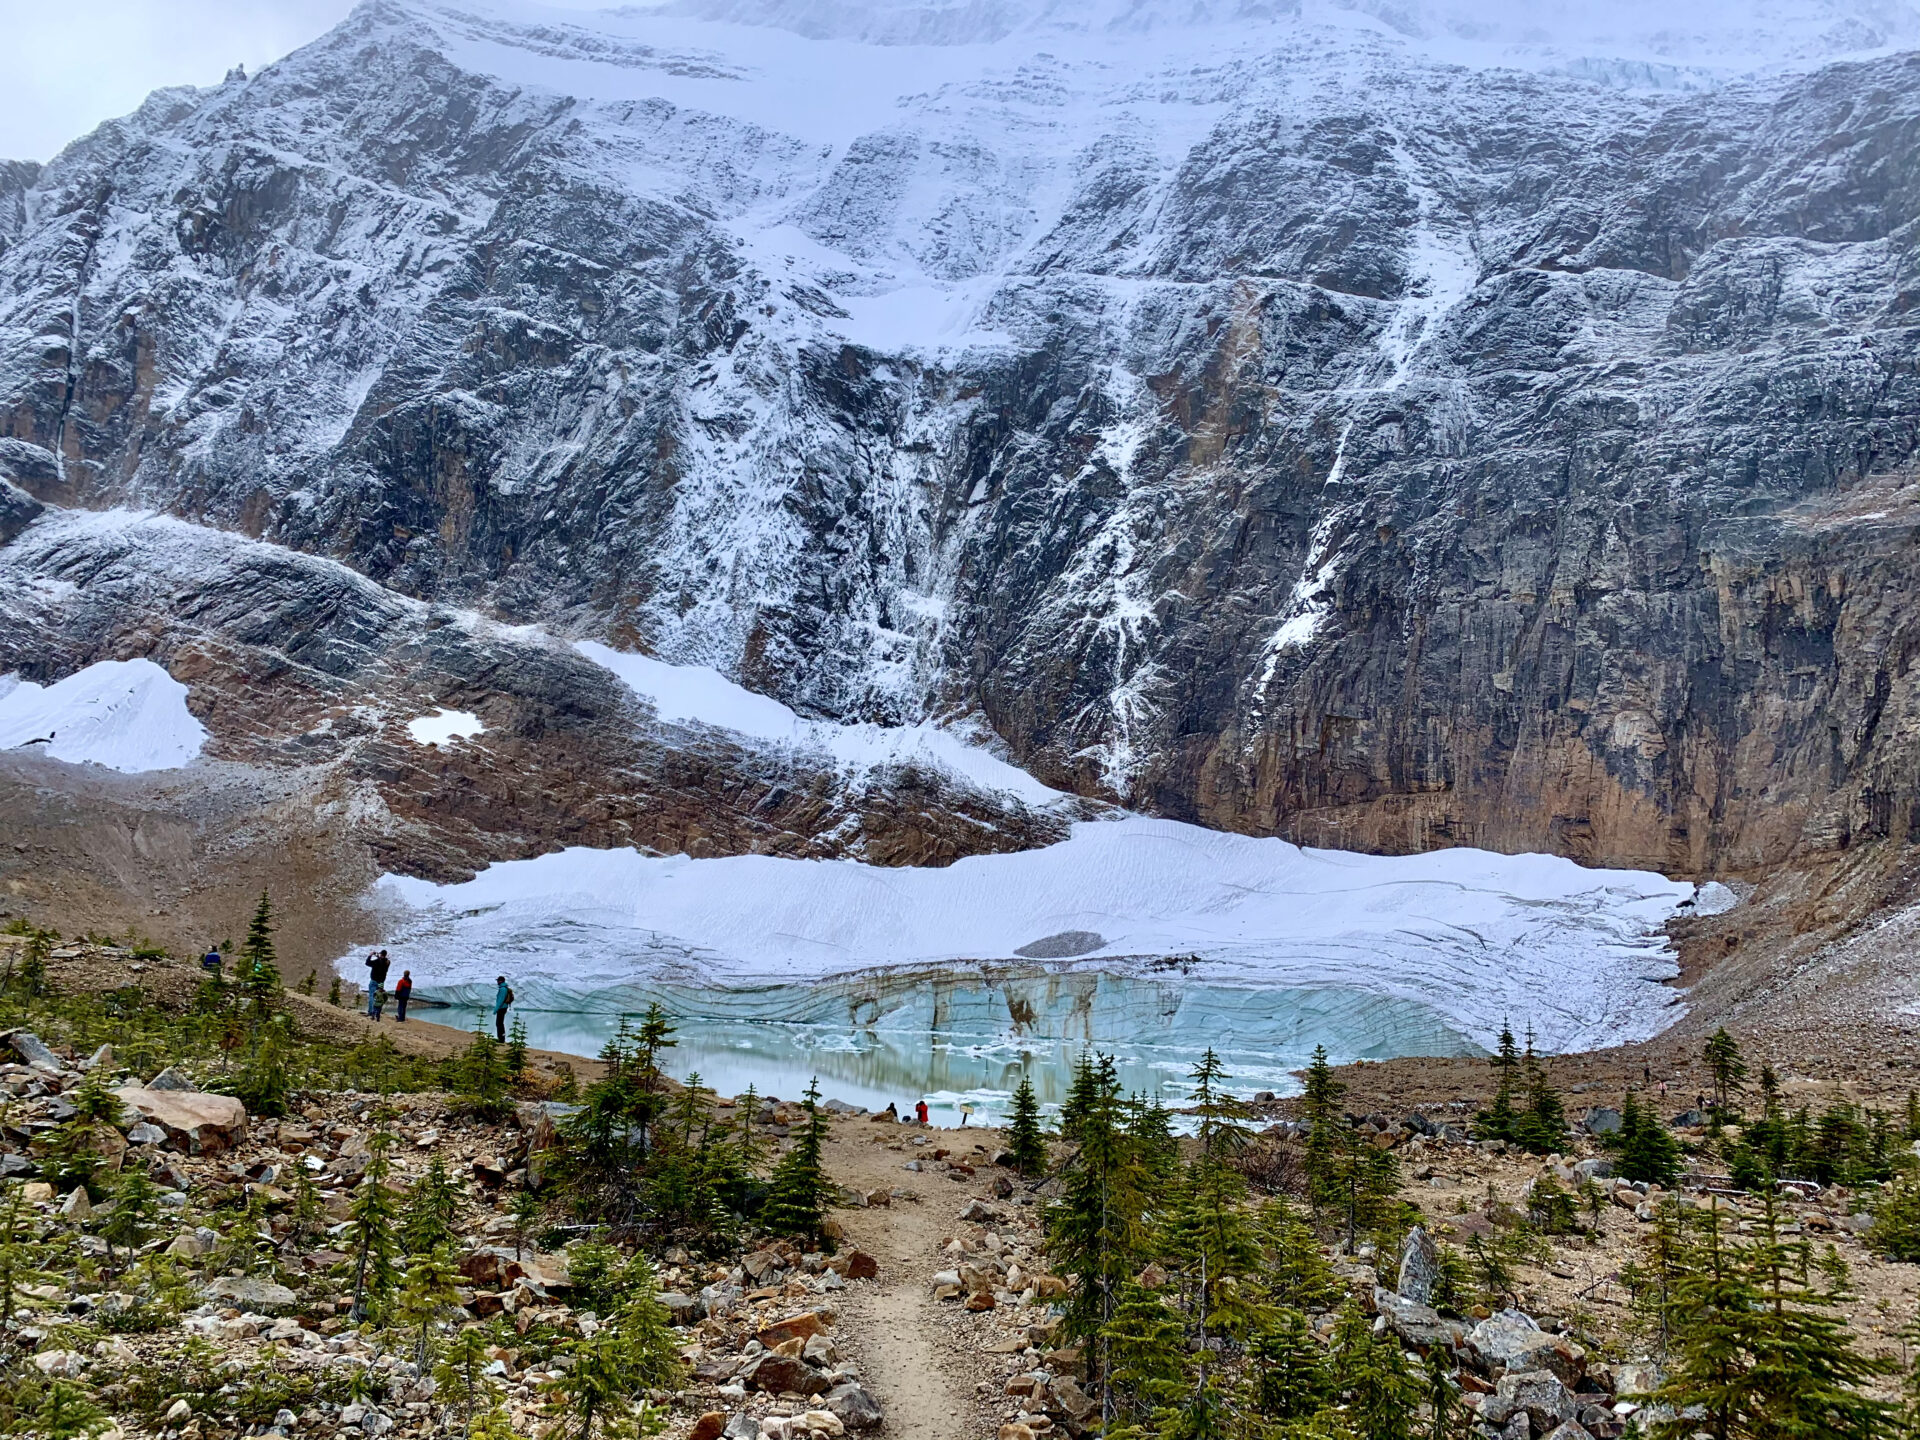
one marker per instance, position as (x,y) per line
(964,1037)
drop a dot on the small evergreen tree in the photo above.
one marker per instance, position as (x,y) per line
(633,1350)
(1287,1369)
(1024,1140)
(517,1052)
(1729,1071)
(259,972)
(1328,1140)
(460,1376)
(1497,1122)
(1760,1353)
(1646,1148)
(749,1148)
(427,1296)
(1896,1221)
(432,1205)
(136,1211)
(1542,1127)
(1095,1228)
(797,1194)
(371,1229)
(333,992)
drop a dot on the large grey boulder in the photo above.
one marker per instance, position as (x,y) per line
(1420,1326)
(1537,1394)
(856,1408)
(1419,1267)
(251,1293)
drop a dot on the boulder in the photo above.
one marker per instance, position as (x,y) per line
(1571,1430)
(1420,1326)
(710,1426)
(252,1294)
(171,1079)
(785,1373)
(199,1124)
(33,1050)
(802,1327)
(1419,1267)
(979,1212)
(762,1265)
(682,1310)
(856,1408)
(1602,1120)
(1069,1398)
(742,1427)
(1537,1394)
(1510,1341)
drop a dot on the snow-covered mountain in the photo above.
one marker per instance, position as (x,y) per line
(1383,424)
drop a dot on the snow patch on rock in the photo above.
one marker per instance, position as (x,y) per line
(444,726)
(699,695)
(126,715)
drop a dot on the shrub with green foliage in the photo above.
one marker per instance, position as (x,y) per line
(1025,1142)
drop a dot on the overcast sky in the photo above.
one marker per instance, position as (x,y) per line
(74,63)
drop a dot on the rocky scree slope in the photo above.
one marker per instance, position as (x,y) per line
(1262,424)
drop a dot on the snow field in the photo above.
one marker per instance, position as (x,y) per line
(126,715)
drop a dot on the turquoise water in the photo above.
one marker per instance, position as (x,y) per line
(966,1037)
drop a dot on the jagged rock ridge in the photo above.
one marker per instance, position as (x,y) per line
(1263,422)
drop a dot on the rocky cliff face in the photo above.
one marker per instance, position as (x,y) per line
(1261,422)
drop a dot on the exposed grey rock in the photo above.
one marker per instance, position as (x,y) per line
(30,1048)
(251,1293)
(1603,1120)
(1407,556)
(1419,1267)
(171,1079)
(1535,1393)
(1420,1326)
(857,1409)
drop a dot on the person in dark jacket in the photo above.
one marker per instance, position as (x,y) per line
(502,998)
(377,967)
(401,993)
(212,961)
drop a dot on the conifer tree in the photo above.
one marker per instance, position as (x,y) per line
(427,1296)
(1759,1352)
(1497,1122)
(749,1142)
(431,1206)
(514,1060)
(633,1350)
(1647,1150)
(1151,1129)
(1024,1140)
(1896,1221)
(1542,1126)
(797,1193)
(1146,1349)
(1298,1275)
(1287,1369)
(1095,1229)
(460,1375)
(1083,1096)
(136,1211)
(20,1255)
(333,992)
(371,1228)
(1327,1137)
(1729,1071)
(259,972)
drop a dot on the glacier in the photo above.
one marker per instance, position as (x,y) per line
(1133,932)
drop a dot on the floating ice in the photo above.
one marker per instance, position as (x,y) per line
(127,715)
(443,727)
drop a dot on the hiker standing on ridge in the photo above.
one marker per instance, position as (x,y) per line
(401,994)
(502,998)
(211,961)
(377,967)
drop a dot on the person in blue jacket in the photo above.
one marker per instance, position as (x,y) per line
(502,998)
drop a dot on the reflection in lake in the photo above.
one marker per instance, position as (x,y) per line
(964,1036)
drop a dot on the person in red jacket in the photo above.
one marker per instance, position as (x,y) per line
(920,1112)
(402,993)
